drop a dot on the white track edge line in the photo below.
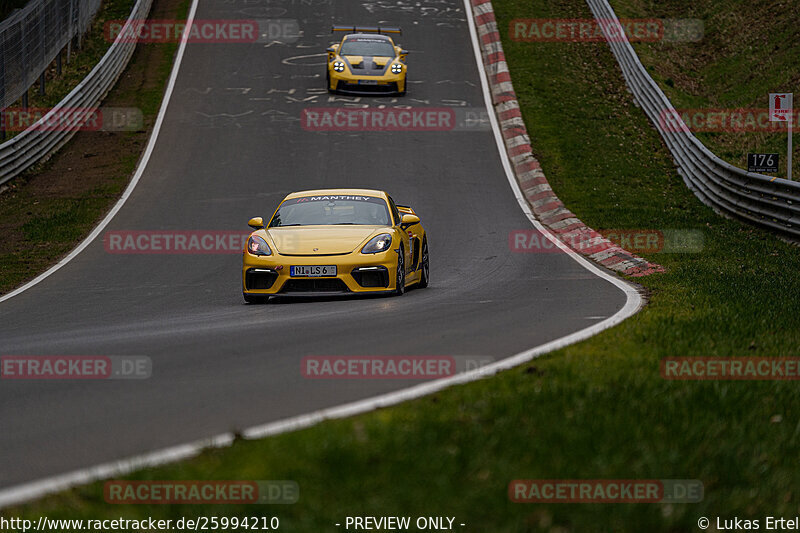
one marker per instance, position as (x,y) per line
(151,142)
(36,489)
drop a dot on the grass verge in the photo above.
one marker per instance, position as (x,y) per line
(596,410)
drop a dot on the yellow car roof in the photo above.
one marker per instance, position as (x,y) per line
(330,192)
(357,36)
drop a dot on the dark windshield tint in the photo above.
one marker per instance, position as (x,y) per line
(357,47)
(332,210)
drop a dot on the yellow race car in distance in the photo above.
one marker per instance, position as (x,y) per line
(335,241)
(367,61)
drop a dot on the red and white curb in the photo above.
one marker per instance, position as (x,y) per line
(543,201)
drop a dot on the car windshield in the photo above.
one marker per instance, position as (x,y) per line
(332,210)
(367,47)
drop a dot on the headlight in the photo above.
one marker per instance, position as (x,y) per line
(338,66)
(258,246)
(377,244)
(397,68)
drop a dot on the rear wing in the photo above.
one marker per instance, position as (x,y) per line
(368,29)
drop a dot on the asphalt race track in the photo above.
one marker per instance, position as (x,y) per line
(230,148)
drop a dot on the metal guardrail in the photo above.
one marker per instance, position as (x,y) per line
(32,37)
(39,141)
(772,203)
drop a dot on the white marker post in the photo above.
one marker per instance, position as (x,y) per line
(780,110)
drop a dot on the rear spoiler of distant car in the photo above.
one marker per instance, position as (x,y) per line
(368,29)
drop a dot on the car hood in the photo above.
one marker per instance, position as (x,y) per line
(319,240)
(372,65)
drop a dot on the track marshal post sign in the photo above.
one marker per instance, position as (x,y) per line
(780,110)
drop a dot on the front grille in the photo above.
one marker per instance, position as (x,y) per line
(357,88)
(314,285)
(371,278)
(259,278)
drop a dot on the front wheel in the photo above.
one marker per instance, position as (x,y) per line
(400,281)
(328,79)
(423,280)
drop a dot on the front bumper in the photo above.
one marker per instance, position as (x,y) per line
(350,84)
(356,273)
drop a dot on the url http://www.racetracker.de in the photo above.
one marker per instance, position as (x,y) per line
(202,523)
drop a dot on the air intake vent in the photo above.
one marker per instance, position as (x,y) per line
(314,285)
(258,278)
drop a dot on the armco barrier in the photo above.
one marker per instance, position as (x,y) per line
(36,143)
(772,203)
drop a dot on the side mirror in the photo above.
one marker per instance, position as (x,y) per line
(403,52)
(331,49)
(409,220)
(256,223)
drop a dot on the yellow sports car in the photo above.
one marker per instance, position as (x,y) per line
(367,61)
(335,241)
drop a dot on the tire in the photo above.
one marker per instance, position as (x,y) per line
(400,279)
(424,266)
(328,78)
(256,298)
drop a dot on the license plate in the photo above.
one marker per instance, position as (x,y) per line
(313,270)
(368,82)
